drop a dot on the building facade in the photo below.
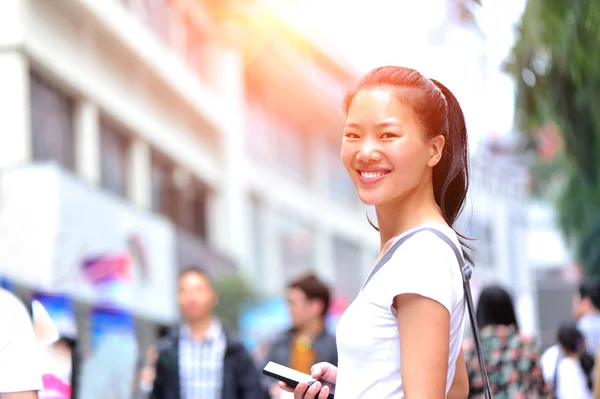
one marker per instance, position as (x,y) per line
(140,137)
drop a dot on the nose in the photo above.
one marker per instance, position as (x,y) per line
(368,151)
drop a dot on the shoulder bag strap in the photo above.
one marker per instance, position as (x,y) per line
(466,272)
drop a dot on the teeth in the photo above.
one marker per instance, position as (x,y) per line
(372,175)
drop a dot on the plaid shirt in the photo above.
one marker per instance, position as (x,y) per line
(201,363)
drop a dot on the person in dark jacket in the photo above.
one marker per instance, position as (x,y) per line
(308,341)
(200,359)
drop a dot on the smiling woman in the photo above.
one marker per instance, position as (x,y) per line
(405,148)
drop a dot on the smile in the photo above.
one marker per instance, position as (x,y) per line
(372,176)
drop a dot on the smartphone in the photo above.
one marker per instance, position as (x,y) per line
(294,377)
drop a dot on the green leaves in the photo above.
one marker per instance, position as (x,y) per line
(556,62)
(235,292)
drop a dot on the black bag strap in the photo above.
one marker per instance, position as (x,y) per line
(466,272)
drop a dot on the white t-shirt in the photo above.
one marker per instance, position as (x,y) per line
(367,334)
(19,356)
(571,382)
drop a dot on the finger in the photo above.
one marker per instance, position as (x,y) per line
(313,390)
(316,371)
(324,393)
(285,387)
(300,391)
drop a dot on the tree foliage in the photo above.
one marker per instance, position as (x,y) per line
(556,63)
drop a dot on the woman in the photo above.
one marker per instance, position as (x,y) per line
(405,148)
(512,360)
(575,365)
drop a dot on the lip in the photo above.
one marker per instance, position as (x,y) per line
(366,180)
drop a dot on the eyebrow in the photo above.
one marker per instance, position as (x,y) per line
(379,125)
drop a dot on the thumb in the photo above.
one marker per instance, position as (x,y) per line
(316,371)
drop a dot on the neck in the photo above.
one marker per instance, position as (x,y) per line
(410,211)
(199,327)
(311,330)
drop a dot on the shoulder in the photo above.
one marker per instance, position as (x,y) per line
(427,257)
(283,338)
(11,307)
(568,368)
(435,242)
(21,324)
(169,341)
(233,343)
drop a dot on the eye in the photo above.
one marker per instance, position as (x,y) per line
(388,135)
(350,135)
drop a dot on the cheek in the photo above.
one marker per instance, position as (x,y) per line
(347,155)
(410,158)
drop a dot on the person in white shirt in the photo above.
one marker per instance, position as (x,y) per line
(574,371)
(586,310)
(405,148)
(20,374)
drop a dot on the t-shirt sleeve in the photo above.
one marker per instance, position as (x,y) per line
(19,355)
(422,265)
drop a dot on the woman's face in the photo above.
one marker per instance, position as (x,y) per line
(384,149)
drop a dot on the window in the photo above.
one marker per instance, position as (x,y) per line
(114,145)
(297,243)
(293,149)
(51,124)
(164,193)
(348,268)
(192,205)
(178,196)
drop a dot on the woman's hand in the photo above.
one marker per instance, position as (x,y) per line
(322,371)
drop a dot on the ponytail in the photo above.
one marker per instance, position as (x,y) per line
(451,174)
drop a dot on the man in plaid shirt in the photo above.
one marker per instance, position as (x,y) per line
(200,359)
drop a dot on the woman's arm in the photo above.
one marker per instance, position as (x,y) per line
(19,395)
(460,384)
(424,329)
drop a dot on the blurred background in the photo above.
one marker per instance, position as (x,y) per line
(142,136)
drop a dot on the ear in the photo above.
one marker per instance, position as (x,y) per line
(436,149)
(317,305)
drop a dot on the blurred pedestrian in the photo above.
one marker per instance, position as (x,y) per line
(586,310)
(20,372)
(512,360)
(201,359)
(573,378)
(307,341)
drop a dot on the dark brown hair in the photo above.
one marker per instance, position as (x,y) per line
(313,288)
(438,112)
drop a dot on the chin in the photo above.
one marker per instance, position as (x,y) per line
(370,199)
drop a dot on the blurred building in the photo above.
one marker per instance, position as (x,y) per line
(143,136)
